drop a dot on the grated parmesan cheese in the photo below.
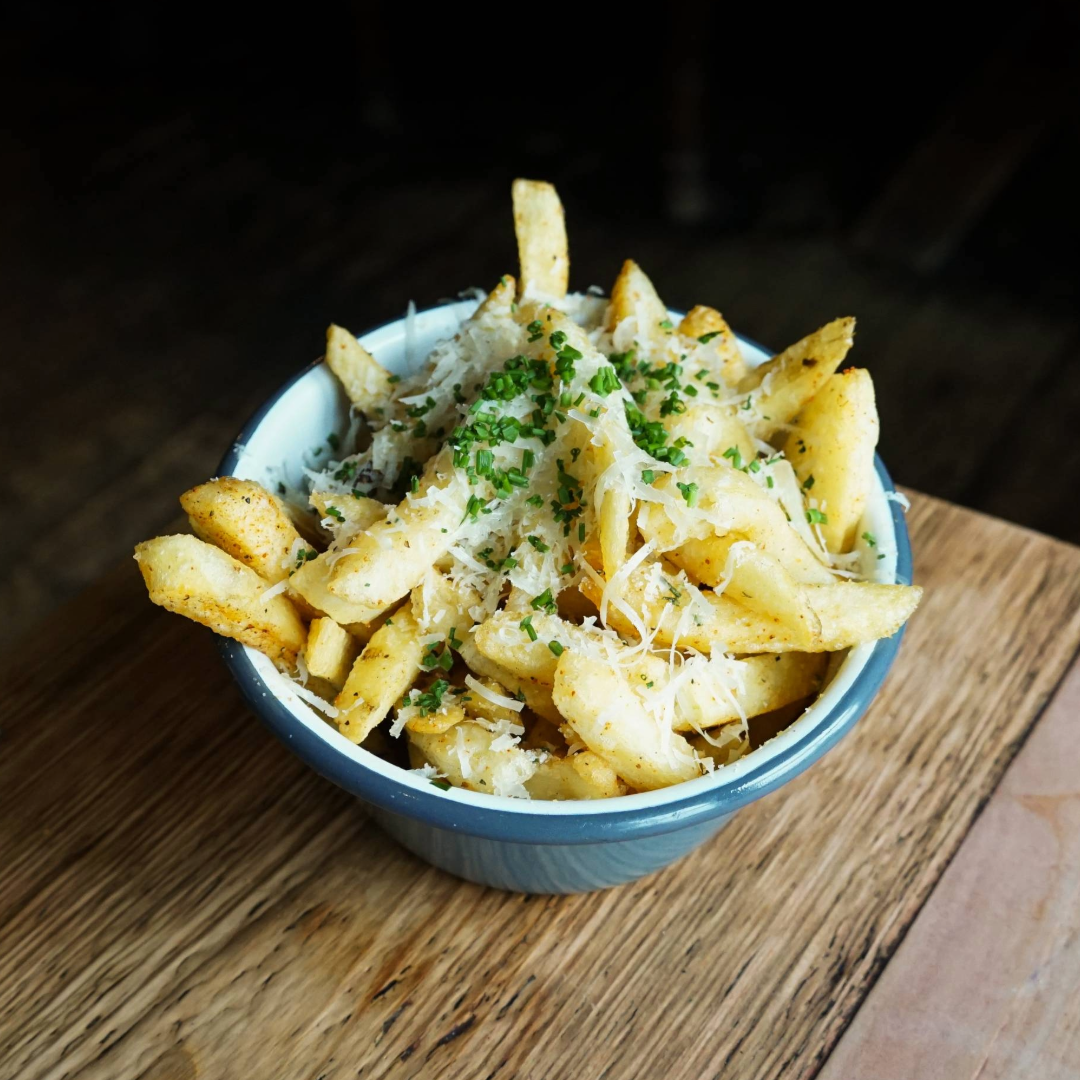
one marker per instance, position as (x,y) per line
(502,700)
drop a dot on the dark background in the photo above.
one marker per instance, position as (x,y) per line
(190,197)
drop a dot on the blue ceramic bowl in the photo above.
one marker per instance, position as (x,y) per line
(530,846)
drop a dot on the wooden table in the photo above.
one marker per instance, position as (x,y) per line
(181,898)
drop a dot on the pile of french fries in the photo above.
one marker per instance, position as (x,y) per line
(573,555)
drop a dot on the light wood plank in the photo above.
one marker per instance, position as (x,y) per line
(181,897)
(985,984)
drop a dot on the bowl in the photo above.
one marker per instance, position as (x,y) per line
(522,845)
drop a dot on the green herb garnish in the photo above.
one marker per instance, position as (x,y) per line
(689,492)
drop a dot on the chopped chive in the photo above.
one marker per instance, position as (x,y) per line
(689,492)
(555,647)
(816,517)
(604,382)
(544,602)
(527,626)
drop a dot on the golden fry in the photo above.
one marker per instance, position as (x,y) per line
(366,381)
(380,676)
(779,388)
(541,235)
(607,714)
(330,651)
(203,583)
(245,521)
(832,450)
(716,343)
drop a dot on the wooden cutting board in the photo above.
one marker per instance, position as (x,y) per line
(181,898)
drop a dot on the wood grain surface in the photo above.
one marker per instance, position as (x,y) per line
(985,984)
(182,898)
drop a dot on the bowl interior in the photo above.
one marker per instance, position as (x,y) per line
(291,431)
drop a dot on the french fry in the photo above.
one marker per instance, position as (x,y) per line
(766,683)
(753,578)
(381,675)
(464,755)
(330,651)
(728,501)
(355,511)
(606,713)
(503,640)
(780,387)
(850,613)
(832,452)
(449,715)
(477,706)
(442,607)
(392,556)
(541,236)
(584,775)
(853,612)
(535,693)
(705,697)
(311,585)
(551,319)
(613,519)
(499,302)
(245,521)
(205,584)
(366,381)
(633,296)
(716,344)
(710,433)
